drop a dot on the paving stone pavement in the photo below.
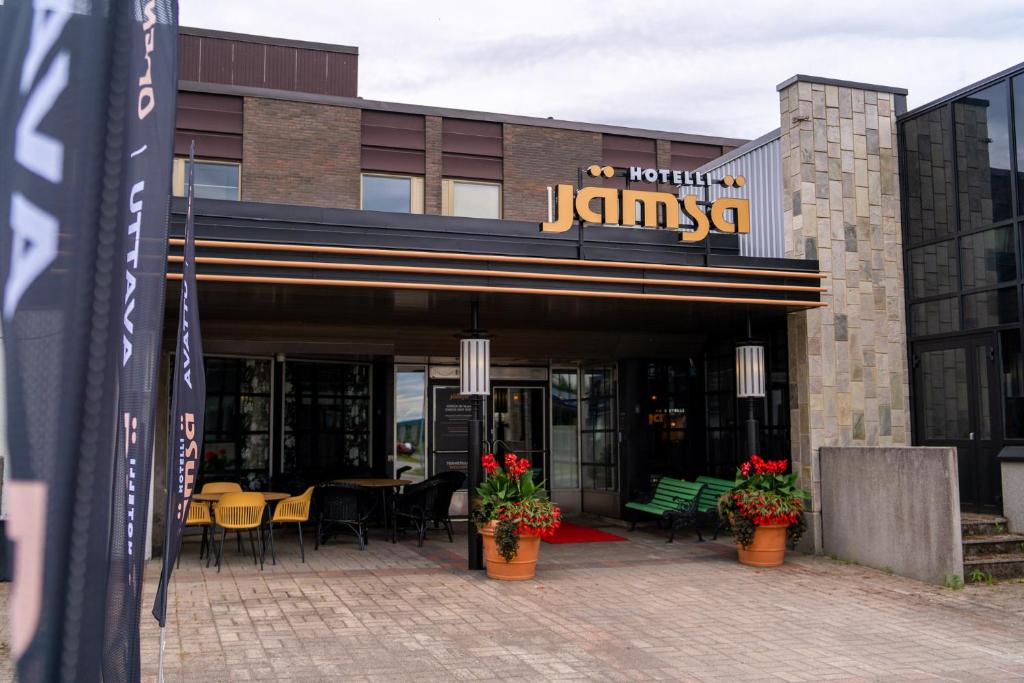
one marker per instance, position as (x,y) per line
(636,611)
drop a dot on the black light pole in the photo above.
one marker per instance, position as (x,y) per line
(750,384)
(475,381)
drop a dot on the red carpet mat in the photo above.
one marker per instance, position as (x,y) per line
(574,533)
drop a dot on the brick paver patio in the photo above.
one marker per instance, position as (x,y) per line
(642,610)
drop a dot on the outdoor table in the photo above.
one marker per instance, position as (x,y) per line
(385,485)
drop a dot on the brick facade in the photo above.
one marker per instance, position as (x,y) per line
(848,361)
(536,158)
(300,153)
(432,179)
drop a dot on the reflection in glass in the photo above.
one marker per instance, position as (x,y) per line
(387,193)
(935,317)
(994,307)
(597,434)
(1018,117)
(1012,376)
(988,258)
(214,181)
(928,148)
(943,394)
(564,421)
(933,269)
(983,157)
(410,411)
(237,428)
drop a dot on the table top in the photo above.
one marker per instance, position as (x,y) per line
(214,497)
(374,483)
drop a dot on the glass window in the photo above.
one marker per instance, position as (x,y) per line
(988,258)
(1012,375)
(397,194)
(410,422)
(983,157)
(1018,116)
(213,179)
(597,408)
(933,269)
(943,394)
(935,317)
(471,199)
(236,433)
(326,419)
(565,461)
(994,307)
(928,148)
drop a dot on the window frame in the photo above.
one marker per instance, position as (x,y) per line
(416,190)
(448,196)
(178,175)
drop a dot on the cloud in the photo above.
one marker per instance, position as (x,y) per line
(670,65)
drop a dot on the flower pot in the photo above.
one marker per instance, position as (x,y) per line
(522,567)
(768,548)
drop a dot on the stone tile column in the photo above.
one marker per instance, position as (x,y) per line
(847,361)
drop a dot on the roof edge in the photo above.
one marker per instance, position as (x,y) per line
(741,150)
(966,90)
(267,40)
(804,78)
(402,108)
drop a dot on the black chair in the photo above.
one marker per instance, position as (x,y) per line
(402,470)
(416,505)
(343,506)
(441,513)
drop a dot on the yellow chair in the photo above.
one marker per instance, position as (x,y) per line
(199,516)
(294,510)
(221,487)
(240,512)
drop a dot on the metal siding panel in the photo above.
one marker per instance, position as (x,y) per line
(189,48)
(311,71)
(215,62)
(387,119)
(392,160)
(475,168)
(762,167)
(280,71)
(484,129)
(342,74)
(209,146)
(461,143)
(397,138)
(249,64)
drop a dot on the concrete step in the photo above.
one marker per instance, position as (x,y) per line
(993,544)
(975,524)
(1005,566)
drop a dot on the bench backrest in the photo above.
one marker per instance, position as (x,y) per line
(670,491)
(713,490)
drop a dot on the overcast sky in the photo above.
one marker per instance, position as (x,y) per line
(698,67)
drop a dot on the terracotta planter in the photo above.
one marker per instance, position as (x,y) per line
(522,567)
(768,548)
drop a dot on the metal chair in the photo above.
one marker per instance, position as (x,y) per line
(441,513)
(402,470)
(294,510)
(198,516)
(240,512)
(416,504)
(343,505)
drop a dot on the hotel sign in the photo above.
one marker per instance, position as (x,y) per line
(656,209)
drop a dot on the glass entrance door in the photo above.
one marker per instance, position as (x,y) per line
(518,425)
(599,447)
(957,404)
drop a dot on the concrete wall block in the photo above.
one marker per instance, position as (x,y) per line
(893,508)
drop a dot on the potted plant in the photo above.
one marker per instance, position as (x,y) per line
(763,510)
(512,513)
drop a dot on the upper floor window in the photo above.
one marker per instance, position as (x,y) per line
(470,198)
(213,179)
(395,193)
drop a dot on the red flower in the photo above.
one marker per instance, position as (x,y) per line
(489,463)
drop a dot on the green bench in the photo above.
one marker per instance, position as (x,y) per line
(707,502)
(675,501)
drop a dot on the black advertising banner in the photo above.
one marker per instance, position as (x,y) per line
(65,89)
(144,210)
(188,407)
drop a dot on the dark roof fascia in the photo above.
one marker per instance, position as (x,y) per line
(966,90)
(741,150)
(267,40)
(398,107)
(804,78)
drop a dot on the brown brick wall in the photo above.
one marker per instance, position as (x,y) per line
(537,157)
(300,153)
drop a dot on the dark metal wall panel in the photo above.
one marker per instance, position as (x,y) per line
(687,156)
(213,121)
(280,72)
(311,71)
(188,57)
(621,151)
(471,167)
(342,74)
(249,64)
(387,119)
(398,138)
(217,56)
(393,160)
(208,145)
